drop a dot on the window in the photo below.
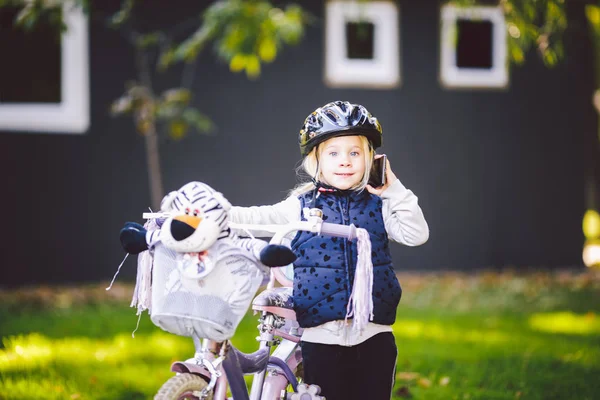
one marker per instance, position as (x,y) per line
(44,85)
(361,44)
(359,40)
(473,47)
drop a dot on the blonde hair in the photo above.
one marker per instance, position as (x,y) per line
(310,166)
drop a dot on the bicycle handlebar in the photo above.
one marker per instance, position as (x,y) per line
(313,223)
(347,231)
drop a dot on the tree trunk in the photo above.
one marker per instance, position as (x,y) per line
(149,130)
(153,165)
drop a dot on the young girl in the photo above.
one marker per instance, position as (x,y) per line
(338,143)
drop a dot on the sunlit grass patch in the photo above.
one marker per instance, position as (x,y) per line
(566,322)
(23,388)
(37,351)
(35,366)
(447,334)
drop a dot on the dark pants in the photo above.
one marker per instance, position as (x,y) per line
(362,372)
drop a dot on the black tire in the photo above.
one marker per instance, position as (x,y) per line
(181,387)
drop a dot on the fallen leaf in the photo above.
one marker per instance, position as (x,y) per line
(424,382)
(590,316)
(407,376)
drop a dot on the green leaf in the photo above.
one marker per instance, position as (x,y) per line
(121,16)
(178,129)
(267,49)
(197,120)
(244,34)
(517,54)
(122,105)
(148,40)
(167,112)
(252,67)
(166,58)
(550,58)
(189,49)
(560,50)
(237,63)
(179,96)
(592,12)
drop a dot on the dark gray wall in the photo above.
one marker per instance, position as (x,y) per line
(499,174)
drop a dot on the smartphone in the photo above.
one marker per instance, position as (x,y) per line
(377,174)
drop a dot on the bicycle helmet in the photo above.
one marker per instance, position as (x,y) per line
(339,118)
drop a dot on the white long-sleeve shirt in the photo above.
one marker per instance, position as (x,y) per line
(404,223)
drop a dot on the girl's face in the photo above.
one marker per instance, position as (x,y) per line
(342,161)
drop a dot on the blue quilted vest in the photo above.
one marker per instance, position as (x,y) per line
(324,269)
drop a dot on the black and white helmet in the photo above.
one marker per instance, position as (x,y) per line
(339,118)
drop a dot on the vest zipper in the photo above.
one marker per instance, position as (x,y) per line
(345,213)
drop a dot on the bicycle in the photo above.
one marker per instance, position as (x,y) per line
(218,365)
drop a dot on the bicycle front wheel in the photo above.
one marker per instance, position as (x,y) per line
(183,387)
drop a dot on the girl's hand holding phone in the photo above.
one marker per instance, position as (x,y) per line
(390,178)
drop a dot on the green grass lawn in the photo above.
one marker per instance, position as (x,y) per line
(485,336)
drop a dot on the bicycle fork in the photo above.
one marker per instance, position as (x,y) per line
(282,362)
(267,340)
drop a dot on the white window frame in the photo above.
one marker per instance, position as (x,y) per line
(453,77)
(383,71)
(72,114)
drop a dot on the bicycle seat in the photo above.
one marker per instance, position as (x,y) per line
(278,301)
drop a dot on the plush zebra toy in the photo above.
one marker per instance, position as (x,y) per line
(193,219)
(192,267)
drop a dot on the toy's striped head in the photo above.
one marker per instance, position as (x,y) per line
(198,218)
